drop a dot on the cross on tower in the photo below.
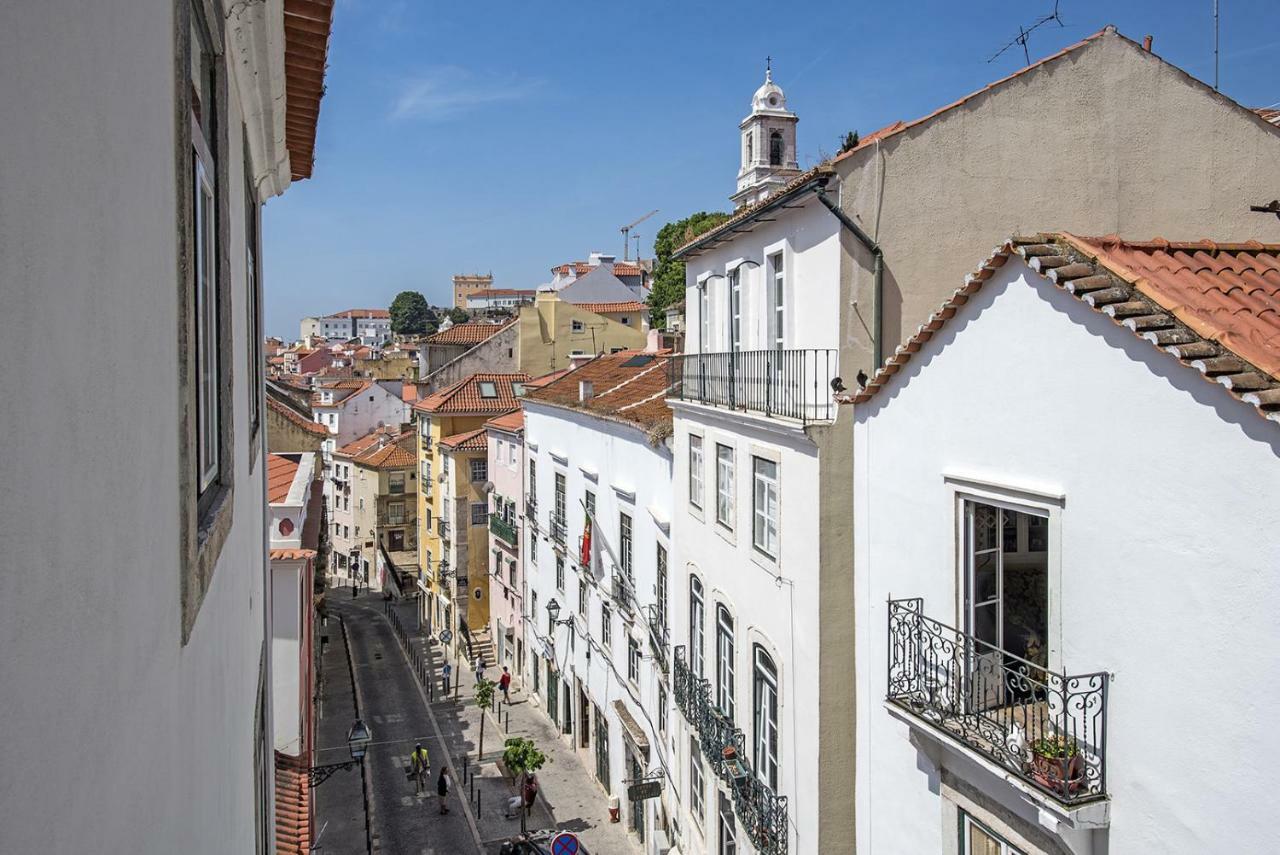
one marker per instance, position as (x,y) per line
(768,63)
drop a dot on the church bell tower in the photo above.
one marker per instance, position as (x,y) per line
(768,144)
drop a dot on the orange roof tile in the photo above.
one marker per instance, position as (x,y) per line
(582,268)
(291,554)
(296,418)
(362,444)
(630,387)
(399,452)
(361,313)
(342,390)
(469,333)
(280,473)
(1213,306)
(469,395)
(613,308)
(512,422)
(293,806)
(539,382)
(472,440)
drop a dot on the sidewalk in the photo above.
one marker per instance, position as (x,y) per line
(339,804)
(569,797)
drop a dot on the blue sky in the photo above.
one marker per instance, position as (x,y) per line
(510,137)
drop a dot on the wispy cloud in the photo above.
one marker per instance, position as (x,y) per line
(448,91)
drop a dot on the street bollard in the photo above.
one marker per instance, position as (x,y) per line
(473,789)
(478,795)
(508,727)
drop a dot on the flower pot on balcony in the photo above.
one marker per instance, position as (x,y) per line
(1056,765)
(729,752)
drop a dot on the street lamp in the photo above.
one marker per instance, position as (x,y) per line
(553,609)
(358,739)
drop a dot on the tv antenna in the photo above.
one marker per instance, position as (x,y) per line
(626,236)
(1024,33)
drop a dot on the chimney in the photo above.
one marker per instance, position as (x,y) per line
(602,259)
(1146,44)
(585,390)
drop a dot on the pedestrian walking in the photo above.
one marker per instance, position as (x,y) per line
(419,766)
(442,788)
(479,668)
(445,673)
(504,683)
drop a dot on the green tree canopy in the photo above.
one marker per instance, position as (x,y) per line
(668,273)
(850,141)
(410,314)
(459,316)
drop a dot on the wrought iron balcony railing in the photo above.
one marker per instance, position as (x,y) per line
(623,593)
(442,528)
(559,529)
(659,638)
(503,529)
(531,510)
(762,811)
(792,384)
(1046,727)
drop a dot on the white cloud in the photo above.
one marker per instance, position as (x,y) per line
(447,91)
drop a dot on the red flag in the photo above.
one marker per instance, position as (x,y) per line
(584,550)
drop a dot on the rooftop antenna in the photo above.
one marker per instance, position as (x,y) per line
(626,235)
(1024,33)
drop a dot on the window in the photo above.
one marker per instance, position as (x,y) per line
(395,482)
(775,148)
(633,660)
(560,572)
(346,532)
(395,513)
(764,532)
(602,749)
(479,470)
(425,424)
(777,297)
(977,839)
(750,156)
(624,544)
(626,320)
(724,486)
(697,613)
(578,326)
(253,299)
(511,572)
(606,626)
(735,310)
(511,453)
(533,613)
(764,700)
(205,122)
(582,596)
(558,513)
(479,513)
(662,707)
(697,786)
(704,317)
(661,587)
(724,662)
(426,472)
(488,389)
(695,471)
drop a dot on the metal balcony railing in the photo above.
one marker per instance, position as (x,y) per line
(659,637)
(1046,727)
(762,811)
(559,529)
(442,529)
(623,593)
(503,529)
(791,384)
(531,511)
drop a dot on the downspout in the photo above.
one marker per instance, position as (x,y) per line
(877,336)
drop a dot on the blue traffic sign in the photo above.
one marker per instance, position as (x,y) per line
(565,843)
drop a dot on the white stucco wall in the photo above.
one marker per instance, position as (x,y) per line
(130,741)
(506,599)
(1166,556)
(627,475)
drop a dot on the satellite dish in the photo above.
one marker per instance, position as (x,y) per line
(488,486)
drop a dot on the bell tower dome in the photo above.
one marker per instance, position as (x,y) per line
(768,146)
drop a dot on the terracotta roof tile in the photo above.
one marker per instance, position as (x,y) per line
(296,418)
(280,473)
(293,806)
(581,268)
(291,554)
(361,313)
(469,395)
(1213,306)
(613,308)
(472,440)
(512,422)
(1271,114)
(398,452)
(630,387)
(362,444)
(342,390)
(307,24)
(468,333)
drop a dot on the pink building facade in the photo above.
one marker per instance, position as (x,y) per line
(506,559)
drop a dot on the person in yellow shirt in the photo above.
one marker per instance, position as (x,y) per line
(419,765)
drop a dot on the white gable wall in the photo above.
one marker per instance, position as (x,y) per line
(1167,548)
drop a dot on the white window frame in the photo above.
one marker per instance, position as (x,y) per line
(726,694)
(765,503)
(968,821)
(697,625)
(725,485)
(764,701)
(697,783)
(735,310)
(696,466)
(777,301)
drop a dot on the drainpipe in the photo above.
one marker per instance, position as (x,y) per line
(877,337)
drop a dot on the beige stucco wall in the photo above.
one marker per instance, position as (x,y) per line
(547,337)
(1107,139)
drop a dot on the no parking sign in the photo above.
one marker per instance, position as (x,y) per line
(565,844)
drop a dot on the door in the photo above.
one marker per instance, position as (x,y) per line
(983,612)
(727,842)
(395,540)
(636,773)
(553,694)
(584,716)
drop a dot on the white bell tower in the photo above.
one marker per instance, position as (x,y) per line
(768,144)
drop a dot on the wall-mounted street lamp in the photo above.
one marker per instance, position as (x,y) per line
(358,739)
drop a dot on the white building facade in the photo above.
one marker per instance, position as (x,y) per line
(596,634)
(1065,578)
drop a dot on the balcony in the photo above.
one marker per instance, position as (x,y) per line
(442,529)
(762,812)
(659,638)
(531,511)
(503,529)
(559,528)
(789,384)
(624,594)
(1046,728)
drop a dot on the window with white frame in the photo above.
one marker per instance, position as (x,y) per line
(660,588)
(724,662)
(695,471)
(395,482)
(777,302)
(479,470)
(582,596)
(662,707)
(735,310)
(633,660)
(697,785)
(724,485)
(704,317)
(764,531)
(395,513)
(624,544)
(697,616)
(606,626)
(560,572)
(977,839)
(764,700)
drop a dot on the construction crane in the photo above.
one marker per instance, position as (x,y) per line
(626,236)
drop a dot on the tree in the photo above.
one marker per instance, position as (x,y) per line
(668,273)
(484,700)
(522,758)
(410,314)
(850,141)
(459,316)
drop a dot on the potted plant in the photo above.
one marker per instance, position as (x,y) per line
(1056,764)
